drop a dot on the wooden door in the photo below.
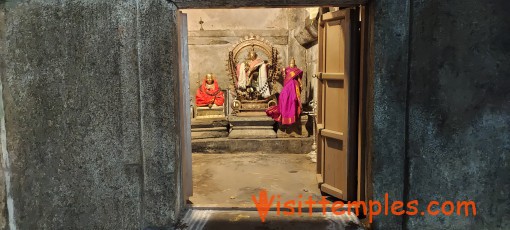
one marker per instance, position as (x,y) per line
(184,107)
(337,118)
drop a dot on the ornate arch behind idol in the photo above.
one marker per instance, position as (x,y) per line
(235,56)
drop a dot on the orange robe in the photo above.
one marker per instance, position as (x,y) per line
(206,96)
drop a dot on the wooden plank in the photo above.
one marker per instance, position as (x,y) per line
(319,178)
(362,161)
(332,134)
(319,117)
(331,190)
(332,16)
(332,76)
(352,41)
(226,4)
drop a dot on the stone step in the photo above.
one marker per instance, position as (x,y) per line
(209,122)
(251,121)
(213,129)
(250,132)
(208,134)
(273,145)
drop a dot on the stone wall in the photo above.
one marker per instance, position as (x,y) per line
(459,111)
(89,91)
(439,128)
(387,69)
(304,56)
(208,48)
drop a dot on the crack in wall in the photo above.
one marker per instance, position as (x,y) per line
(6,164)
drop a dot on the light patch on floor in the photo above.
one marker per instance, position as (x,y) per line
(232,179)
(247,220)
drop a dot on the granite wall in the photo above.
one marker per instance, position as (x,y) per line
(88,116)
(439,128)
(459,111)
(387,67)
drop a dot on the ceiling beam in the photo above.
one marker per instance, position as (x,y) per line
(228,4)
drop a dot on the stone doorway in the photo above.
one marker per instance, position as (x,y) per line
(249,142)
(223,162)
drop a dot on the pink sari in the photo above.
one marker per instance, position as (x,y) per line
(289,102)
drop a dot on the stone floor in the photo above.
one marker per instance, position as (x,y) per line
(231,179)
(224,184)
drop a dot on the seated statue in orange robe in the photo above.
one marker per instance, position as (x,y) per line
(209,93)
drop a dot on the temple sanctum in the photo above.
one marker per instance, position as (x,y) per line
(238,74)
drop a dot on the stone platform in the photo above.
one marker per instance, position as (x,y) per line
(275,145)
(297,129)
(251,127)
(213,112)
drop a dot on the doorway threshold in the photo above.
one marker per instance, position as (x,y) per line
(198,219)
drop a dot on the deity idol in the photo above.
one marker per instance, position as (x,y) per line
(252,75)
(289,103)
(209,93)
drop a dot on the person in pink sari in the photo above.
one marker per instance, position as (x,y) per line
(289,103)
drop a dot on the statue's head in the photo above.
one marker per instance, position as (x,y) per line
(252,55)
(209,78)
(292,62)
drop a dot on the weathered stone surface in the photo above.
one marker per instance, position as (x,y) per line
(240,33)
(158,60)
(222,37)
(231,40)
(459,111)
(89,102)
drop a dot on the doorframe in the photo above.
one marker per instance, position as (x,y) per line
(361,175)
(386,82)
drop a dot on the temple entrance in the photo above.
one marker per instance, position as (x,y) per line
(236,80)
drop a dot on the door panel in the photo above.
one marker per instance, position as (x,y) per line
(337,118)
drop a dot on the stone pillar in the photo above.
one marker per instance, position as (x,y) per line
(386,124)
(89,92)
